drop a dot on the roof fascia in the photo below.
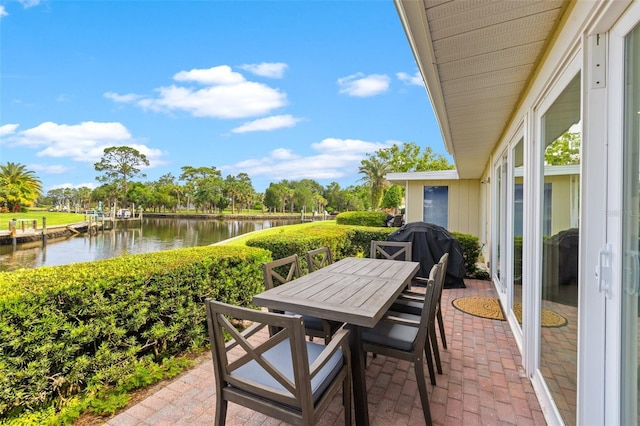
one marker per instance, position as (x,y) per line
(413,17)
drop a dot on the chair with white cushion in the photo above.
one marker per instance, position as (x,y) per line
(406,337)
(412,303)
(284,377)
(282,271)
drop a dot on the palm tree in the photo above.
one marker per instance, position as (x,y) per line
(374,171)
(18,186)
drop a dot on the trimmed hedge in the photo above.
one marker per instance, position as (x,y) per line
(69,330)
(470,251)
(362,218)
(344,241)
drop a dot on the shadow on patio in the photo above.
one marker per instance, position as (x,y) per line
(483,383)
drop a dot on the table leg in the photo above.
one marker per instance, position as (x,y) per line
(360,403)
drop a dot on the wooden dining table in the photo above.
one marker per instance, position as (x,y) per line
(356,291)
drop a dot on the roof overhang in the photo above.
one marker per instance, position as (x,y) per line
(476,59)
(402,178)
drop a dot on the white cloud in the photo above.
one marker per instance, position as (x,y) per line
(266,69)
(363,86)
(53,169)
(283,154)
(413,80)
(222,75)
(91,185)
(29,3)
(83,142)
(227,94)
(267,124)
(3,12)
(349,146)
(131,97)
(8,129)
(335,158)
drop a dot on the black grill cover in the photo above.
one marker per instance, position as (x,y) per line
(428,243)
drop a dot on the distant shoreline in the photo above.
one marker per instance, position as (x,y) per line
(271,216)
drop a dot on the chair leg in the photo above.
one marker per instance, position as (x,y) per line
(434,346)
(441,327)
(427,354)
(346,400)
(221,410)
(421,381)
(327,336)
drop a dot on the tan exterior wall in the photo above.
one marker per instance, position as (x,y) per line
(561,195)
(464,203)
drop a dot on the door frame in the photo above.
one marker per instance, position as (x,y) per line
(614,212)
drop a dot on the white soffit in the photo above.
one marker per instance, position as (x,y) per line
(402,178)
(476,57)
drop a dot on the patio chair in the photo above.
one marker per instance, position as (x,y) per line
(319,258)
(393,250)
(287,269)
(283,377)
(405,337)
(413,302)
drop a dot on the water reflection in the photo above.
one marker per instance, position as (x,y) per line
(154,234)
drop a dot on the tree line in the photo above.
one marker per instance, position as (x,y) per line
(205,190)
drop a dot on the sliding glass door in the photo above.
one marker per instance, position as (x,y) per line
(630,414)
(559,233)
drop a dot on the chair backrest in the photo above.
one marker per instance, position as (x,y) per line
(443,262)
(319,258)
(394,250)
(281,271)
(283,376)
(429,306)
(250,372)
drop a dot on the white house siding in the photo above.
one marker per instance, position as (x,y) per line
(584,44)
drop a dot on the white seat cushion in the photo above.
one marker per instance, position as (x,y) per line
(280,357)
(391,334)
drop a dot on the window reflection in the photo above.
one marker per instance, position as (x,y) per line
(560,200)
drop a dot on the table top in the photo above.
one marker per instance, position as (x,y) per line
(353,290)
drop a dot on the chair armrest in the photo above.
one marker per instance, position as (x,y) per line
(248,332)
(340,339)
(399,320)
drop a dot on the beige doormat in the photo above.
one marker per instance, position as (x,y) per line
(489,307)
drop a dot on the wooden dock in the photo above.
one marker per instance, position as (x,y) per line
(26,230)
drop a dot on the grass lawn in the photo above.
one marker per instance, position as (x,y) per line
(53,218)
(241,240)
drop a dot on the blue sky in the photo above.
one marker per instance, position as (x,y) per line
(275,89)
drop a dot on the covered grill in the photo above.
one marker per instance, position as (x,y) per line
(429,243)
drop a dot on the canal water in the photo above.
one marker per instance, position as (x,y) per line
(149,235)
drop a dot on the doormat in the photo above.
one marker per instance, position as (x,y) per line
(489,307)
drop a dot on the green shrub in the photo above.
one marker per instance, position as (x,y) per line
(362,218)
(471,250)
(361,237)
(343,241)
(70,331)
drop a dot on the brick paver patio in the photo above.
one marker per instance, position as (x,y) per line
(483,384)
